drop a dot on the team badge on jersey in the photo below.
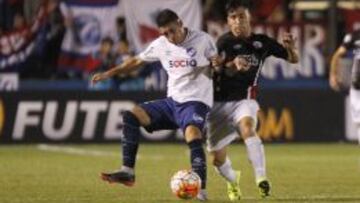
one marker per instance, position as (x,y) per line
(197,118)
(237,46)
(191,52)
(257,44)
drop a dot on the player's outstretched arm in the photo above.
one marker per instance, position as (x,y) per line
(334,68)
(127,66)
(289,45)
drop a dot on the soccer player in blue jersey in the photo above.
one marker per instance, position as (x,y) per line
(186,56)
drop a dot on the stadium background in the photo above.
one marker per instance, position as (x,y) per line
(48,110)
(50,48)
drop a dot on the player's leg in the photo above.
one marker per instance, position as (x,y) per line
(223,166)
(247,121)
(355,110)
(220,134)
(152,116)
(132,121)
(358,131)
(192,121)
(193,137)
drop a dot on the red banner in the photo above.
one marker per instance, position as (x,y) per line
(17,46)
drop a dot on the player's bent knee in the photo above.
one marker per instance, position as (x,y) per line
(217,162)
(217,159)
(192,133)
(141,115)
(131,119)
(247,127)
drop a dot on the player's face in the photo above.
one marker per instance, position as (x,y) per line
(239,22)
(173,32)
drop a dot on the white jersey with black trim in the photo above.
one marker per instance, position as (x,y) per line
(187,65)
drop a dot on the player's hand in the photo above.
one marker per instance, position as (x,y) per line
(216,61)
(334,82)
(97,78)
(289,40)
(241,63)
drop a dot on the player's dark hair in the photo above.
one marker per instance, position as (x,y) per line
(165,17)
(234,4)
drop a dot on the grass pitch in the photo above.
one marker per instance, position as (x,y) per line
(70,173)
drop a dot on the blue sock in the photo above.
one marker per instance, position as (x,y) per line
(198,160)
(130,142)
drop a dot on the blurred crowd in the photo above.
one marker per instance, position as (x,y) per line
(16,15)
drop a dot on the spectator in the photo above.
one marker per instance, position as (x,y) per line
(122,52)
(121,28)
(9,9)
(104,56)
(31,9)
(19,22)
(103,60)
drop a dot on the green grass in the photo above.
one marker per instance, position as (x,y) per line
(298,172)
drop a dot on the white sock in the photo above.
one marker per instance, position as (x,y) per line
(227,171)
(127,169)
(256,155)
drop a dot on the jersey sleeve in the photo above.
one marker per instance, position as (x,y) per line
(276,49)
(348,41)
(210,49)
(151,53)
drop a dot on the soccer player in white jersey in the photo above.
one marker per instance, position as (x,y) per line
(235,108)
(350,42)
(186,56)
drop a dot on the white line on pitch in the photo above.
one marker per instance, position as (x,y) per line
(89,152)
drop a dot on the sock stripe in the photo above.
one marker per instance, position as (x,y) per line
(197,148)
(129,142)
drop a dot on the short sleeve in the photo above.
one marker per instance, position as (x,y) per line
(210,49)
(276,49)
(151,53)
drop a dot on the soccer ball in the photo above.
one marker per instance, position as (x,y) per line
(185,184)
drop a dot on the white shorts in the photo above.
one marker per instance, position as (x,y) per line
(355,105)
(223,119)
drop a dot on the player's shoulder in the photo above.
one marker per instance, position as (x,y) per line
(261,37)
(159,41)
(199,34)
(226,36)
(225,39)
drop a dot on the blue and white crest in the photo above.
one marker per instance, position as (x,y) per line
(197,118)
(87,30)
(191,52)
